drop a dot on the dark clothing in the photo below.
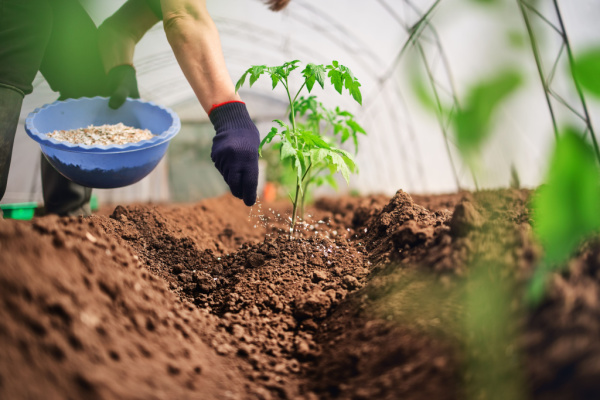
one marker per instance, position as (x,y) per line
(58,38)
(155,6)
(25,28)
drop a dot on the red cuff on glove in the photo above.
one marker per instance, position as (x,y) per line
(222,104)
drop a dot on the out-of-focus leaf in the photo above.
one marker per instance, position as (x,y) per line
(472,122)
(567,208)
(287,150)
(587,70)
(423,96)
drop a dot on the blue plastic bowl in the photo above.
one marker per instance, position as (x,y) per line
(103,166)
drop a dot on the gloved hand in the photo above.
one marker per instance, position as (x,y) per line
(122,84)
(235,149)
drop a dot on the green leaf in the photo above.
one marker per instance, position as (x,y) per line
(335,63)
(355,92)
(312,139)
(319,155)
(240,82)
(422,93)
(340,165)
(472,121)
(290,66)
(287,150)
(343,113)
(336,80)
(275,80)
(280,71)
(255,72)
(331,181)
(314,73)
(281,123)
(566,209)
(267,139)
(355,126)
(587,70)
(310,82)
(345,134)
(348,81)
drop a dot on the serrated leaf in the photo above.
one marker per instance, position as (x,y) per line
(336,80)
(348,81)
(267,139)
(340,165)
(355,92)
(281,123)
(312,139)
(241,81)
(318,71)
(255,72)
(318,155)
(287,150)
(310,82)
(275,80)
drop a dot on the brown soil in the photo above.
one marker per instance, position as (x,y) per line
(212,301)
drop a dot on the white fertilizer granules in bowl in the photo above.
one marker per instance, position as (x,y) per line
(102,135)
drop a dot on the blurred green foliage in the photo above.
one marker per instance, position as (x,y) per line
(567,208)
(487,1)
(472,121)
(493,361)
(587,70)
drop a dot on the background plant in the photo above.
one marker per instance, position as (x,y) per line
(310,154)
(566,208)
(335,126)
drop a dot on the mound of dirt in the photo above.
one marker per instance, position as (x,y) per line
(81,318)
(213,301)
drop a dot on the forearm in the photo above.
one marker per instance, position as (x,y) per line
(195,41)
(118,35)
(115,48)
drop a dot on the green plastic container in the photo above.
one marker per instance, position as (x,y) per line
(94,203)
(23,211)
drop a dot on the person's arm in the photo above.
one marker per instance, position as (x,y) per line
(117,37)
(119,33)
(195,41)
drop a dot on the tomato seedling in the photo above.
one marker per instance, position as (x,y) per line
(310,153)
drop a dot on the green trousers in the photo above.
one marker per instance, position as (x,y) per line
(59,39)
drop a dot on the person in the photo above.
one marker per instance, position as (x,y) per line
(59,39)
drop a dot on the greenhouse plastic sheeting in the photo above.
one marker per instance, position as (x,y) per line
(405,147)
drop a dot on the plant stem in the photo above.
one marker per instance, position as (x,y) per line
(295,207)
(588,120)
(440,112)
(298,180)
(301,87)
(538,63)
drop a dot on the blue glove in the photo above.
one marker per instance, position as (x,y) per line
(235,149)
(122,84)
